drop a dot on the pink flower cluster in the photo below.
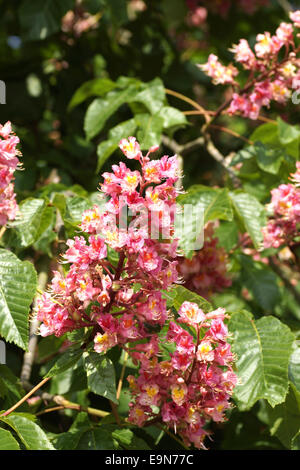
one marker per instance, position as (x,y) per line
(206,272)
(123,302)
(283,226)
(192,385)
(271,77)
(9,162)
(78,21)
(94,292)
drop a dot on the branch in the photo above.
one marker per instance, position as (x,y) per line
(61,401)
(29,355)
(214,152)
(210,147)
(285,5)
(28,395)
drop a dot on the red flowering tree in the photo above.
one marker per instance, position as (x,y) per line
(157,304)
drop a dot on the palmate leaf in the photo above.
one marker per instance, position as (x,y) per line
(152,95)
(100,375)
(18,281)
(150,129)
(180,294)
(294,368)
(215,202)
(107,147)
(251,215)
(65,361)
(198,206)
(96,87)
(263,350)
(7,441)
(261,282)
(32,436)
(284,419)
(34,225)
(102,108)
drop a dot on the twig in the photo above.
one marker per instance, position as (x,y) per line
(2,231)
(28,395)
(64,403)
(190,101)
(211,149)
(119,389)
(214,152)
(285,5)
(171,435)
(115,412)
(231,132)
(29,355)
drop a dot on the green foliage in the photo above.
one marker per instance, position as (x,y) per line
(263,348)
(100,376)
(18,281)
(284,419)
(180,294)
(29,433)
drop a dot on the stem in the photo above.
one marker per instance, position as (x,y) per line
(2,231)
(115,412)
(28,395)
(75,406)
(160,426)
(29,355)
(190,101)
(231,132)
(63,403)
(122,375)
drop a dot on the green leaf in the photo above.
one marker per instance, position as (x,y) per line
(102,108)
(199,205)
(96,439)
(66,360)
(106,148)
(284,419)
(261,282)
(150,129)
(71,380)
(101,376)
(41,18)
(269,159)
(294,368)
(263,349)
(251,214)
(47,225)
(295,445)
(227,234)
(7,441)
(215,202)
(32,436)
(10,387)
(180,294)
(287,133)
(172,117)
(152,96)
(18,281)
(75,207)
(96,87)
(266,133)
(31,224)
